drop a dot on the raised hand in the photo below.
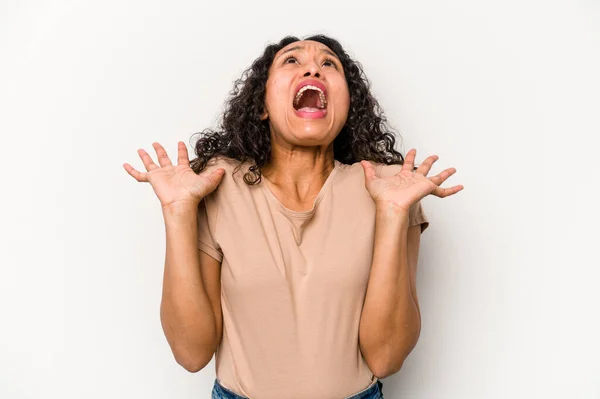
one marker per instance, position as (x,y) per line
(407,187)
(175,184)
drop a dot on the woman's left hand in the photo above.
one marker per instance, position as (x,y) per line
(407,187)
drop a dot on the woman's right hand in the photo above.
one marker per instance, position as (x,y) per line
(179,184)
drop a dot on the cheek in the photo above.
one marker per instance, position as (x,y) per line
(277,89)
(343,97)
(341,86)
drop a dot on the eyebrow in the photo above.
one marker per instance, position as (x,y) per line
(323,50)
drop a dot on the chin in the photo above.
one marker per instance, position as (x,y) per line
(314,134)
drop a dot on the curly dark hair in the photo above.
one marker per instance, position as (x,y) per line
(243,136)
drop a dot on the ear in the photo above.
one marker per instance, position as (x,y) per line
(264,116)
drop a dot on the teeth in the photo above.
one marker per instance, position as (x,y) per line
(310,87)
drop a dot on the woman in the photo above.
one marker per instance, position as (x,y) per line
(299,272)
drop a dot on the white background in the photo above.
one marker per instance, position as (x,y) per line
(508,92)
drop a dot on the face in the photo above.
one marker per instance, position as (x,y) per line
(301,114)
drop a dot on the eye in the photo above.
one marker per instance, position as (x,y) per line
(329,62)
(289,57)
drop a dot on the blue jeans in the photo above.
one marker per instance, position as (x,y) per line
(373,392)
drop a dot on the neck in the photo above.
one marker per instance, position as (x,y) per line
(299,176)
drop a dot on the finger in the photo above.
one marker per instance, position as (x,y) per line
(182,154)
(147,160)
(139,176)
(426,165)
(445,192)
(409,161)
(442,176)
(369,169)
(215,176)
(163,158)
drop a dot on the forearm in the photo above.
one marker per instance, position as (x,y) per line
(186,314)
(390,321)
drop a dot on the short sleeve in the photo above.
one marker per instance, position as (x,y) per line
(416,216)
(207,221)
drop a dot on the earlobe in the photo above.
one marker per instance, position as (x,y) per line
(264,116)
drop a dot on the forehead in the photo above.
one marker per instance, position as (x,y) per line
(305,45)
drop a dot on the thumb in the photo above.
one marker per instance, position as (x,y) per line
(369,170)
(215,178)
(217,175)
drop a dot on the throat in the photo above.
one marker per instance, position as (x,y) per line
(297,196)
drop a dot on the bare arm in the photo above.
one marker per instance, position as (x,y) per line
(190,310)
(390,323)
(189,305)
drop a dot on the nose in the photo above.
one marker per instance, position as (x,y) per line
(313,69)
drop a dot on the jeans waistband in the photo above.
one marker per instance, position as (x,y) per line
(373,391)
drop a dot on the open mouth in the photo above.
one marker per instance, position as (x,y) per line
(310,98)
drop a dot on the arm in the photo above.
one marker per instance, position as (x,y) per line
(390,322)
(186,312)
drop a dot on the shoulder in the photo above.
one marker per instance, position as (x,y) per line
(232,185)
(234,169)
(221,161)
(390,170)
(357,168)
(381,168)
